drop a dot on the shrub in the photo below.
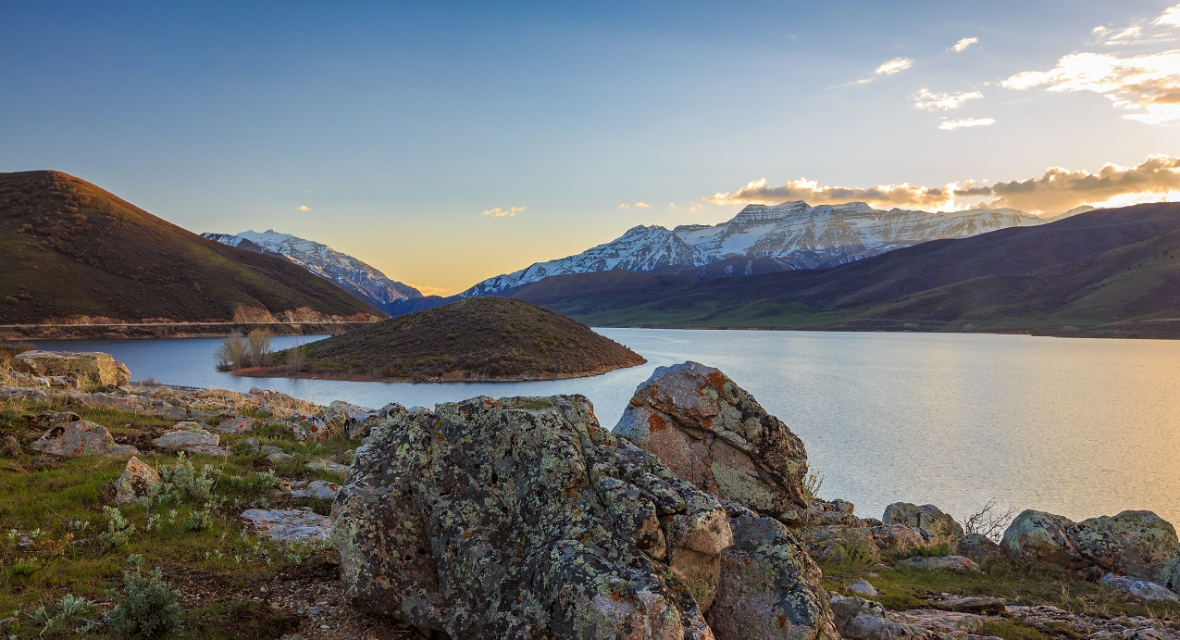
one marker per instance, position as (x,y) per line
(69,609)
(183,481)
(231,355)
(118,529)
(150,608)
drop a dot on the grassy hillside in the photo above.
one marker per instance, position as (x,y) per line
(477,339)
(1109,272)
(69,248)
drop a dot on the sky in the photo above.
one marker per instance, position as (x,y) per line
(445,143)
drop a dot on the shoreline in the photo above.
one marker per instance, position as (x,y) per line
(151,330)
(280,371)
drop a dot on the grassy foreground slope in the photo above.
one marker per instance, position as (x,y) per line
(1112,272)
(70,249)
(472,339)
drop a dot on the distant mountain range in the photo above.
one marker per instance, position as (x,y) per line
(356,277)
(1107,272)
(762,239)
(73,253)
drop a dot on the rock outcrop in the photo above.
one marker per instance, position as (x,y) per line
(81,438)
(523,516)
(89,369)
(712,433)
(929,519)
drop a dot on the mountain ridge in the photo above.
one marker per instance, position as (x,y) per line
(786,236)
(351,274)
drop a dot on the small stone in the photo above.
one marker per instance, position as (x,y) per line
(318,489)
(135,481)
(191,440)
(280,457)
(236,425)
(863,588)
(281,524)
(305,426)
(324,464)
(1144,589)
(187,425)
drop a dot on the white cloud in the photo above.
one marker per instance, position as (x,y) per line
(498,212)
(896,65)
(949,125)
(672,205)
(930,101)
(694,207)
(962,45)
(642,205)
(304,207)
(1169,18)
(1056,191)
(624,206)
(1147,85)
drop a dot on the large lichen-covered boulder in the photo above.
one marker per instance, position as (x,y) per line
(1044,536)
(1135,543)
(769,587)
(524,518)
(712,433)
(89,369)
(935,525)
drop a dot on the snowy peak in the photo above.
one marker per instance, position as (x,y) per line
(358,278)
(790,235)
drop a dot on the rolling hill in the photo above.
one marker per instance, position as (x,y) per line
(1109,272)
(71,252)
(486,338)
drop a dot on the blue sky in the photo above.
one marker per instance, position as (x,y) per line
(387,130)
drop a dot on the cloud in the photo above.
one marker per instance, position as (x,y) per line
(949,125)
(642,205)
(624,206)
(1060,189)
(694,207)
(962,45)
(510,212)
(428,290)
(896,65)
(930,101)
(672,205)
(1056,191)
(1146,85)
(303,207)
(1169,18)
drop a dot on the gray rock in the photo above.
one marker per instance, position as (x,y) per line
(280,457)
(240,424)
(1040,535)
(288,525)
(862,587)
(89,369)
(523,516)
(318,489)
(860,619)
(979,548)
(1144,589)
(135,481)
(81,438)
(1137,543)
(935,525)
(713,434)
(306,426)
(325,464)
(358,422)
(769,587)
(952,563)
(191,440)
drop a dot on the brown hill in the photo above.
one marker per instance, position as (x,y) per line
(69,249)
(472,339)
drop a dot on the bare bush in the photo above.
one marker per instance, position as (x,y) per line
(231,355)
(989,521)
(258,348)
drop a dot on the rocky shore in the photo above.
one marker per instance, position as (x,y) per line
(515,517)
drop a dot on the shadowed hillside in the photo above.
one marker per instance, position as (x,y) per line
(1111,272)
(70,249)
(472,339)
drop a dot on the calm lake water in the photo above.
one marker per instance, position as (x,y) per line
(1079,427)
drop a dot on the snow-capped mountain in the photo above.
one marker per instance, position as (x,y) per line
(355,276)
(792,235)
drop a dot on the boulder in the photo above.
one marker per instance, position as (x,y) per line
(863,587)
(306,426)
(859,619)
(240,424)
(135,481)
(1136,543)
(358,422)
(324,464)
(769,587)
(524,517)
(951,563)
(897,536)
(303,525)
(837,543)
(81,438)
(823,512)
(1042,536)
(979,548)
(191,440)
(935,525)
(712,433)
(318,489)
(89,369)
(1144,589)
